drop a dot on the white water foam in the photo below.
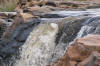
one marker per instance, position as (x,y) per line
(39,46)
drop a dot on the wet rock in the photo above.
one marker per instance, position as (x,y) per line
(6,22)
(13,38)
(2,15)
(7,14)
(68,28)
(2,28)
(51,4)
(51,16)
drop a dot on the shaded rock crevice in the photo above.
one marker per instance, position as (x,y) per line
(16,39)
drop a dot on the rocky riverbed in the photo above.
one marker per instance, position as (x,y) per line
(50,33)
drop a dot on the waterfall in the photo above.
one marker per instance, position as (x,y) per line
(84,31)
(88,28)
(39,46)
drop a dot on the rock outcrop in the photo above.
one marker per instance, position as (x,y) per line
(14,37)
(60,4)
(84,52)
(92,60)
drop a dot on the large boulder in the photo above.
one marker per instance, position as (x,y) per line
(84,47)
(82,53)
(92,60)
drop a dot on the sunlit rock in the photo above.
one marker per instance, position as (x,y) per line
(82,52)
(92,60)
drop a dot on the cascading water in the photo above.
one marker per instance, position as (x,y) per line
(89,27)
(39,46)
(47,42)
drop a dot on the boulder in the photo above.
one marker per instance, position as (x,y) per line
(82,52)
(43,9)
(27,16)
(51,16)
(83,47)
(92,60)
(7,14)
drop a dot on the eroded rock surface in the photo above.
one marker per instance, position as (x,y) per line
(81,53)
(92,60)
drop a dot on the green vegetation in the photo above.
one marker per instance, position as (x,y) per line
(7,5)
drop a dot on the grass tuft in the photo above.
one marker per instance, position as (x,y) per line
(7,5)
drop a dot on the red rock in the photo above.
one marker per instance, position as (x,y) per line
(83,47)
(74,54)
(73,63)
(92,60)
(64,61)
(82,52)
